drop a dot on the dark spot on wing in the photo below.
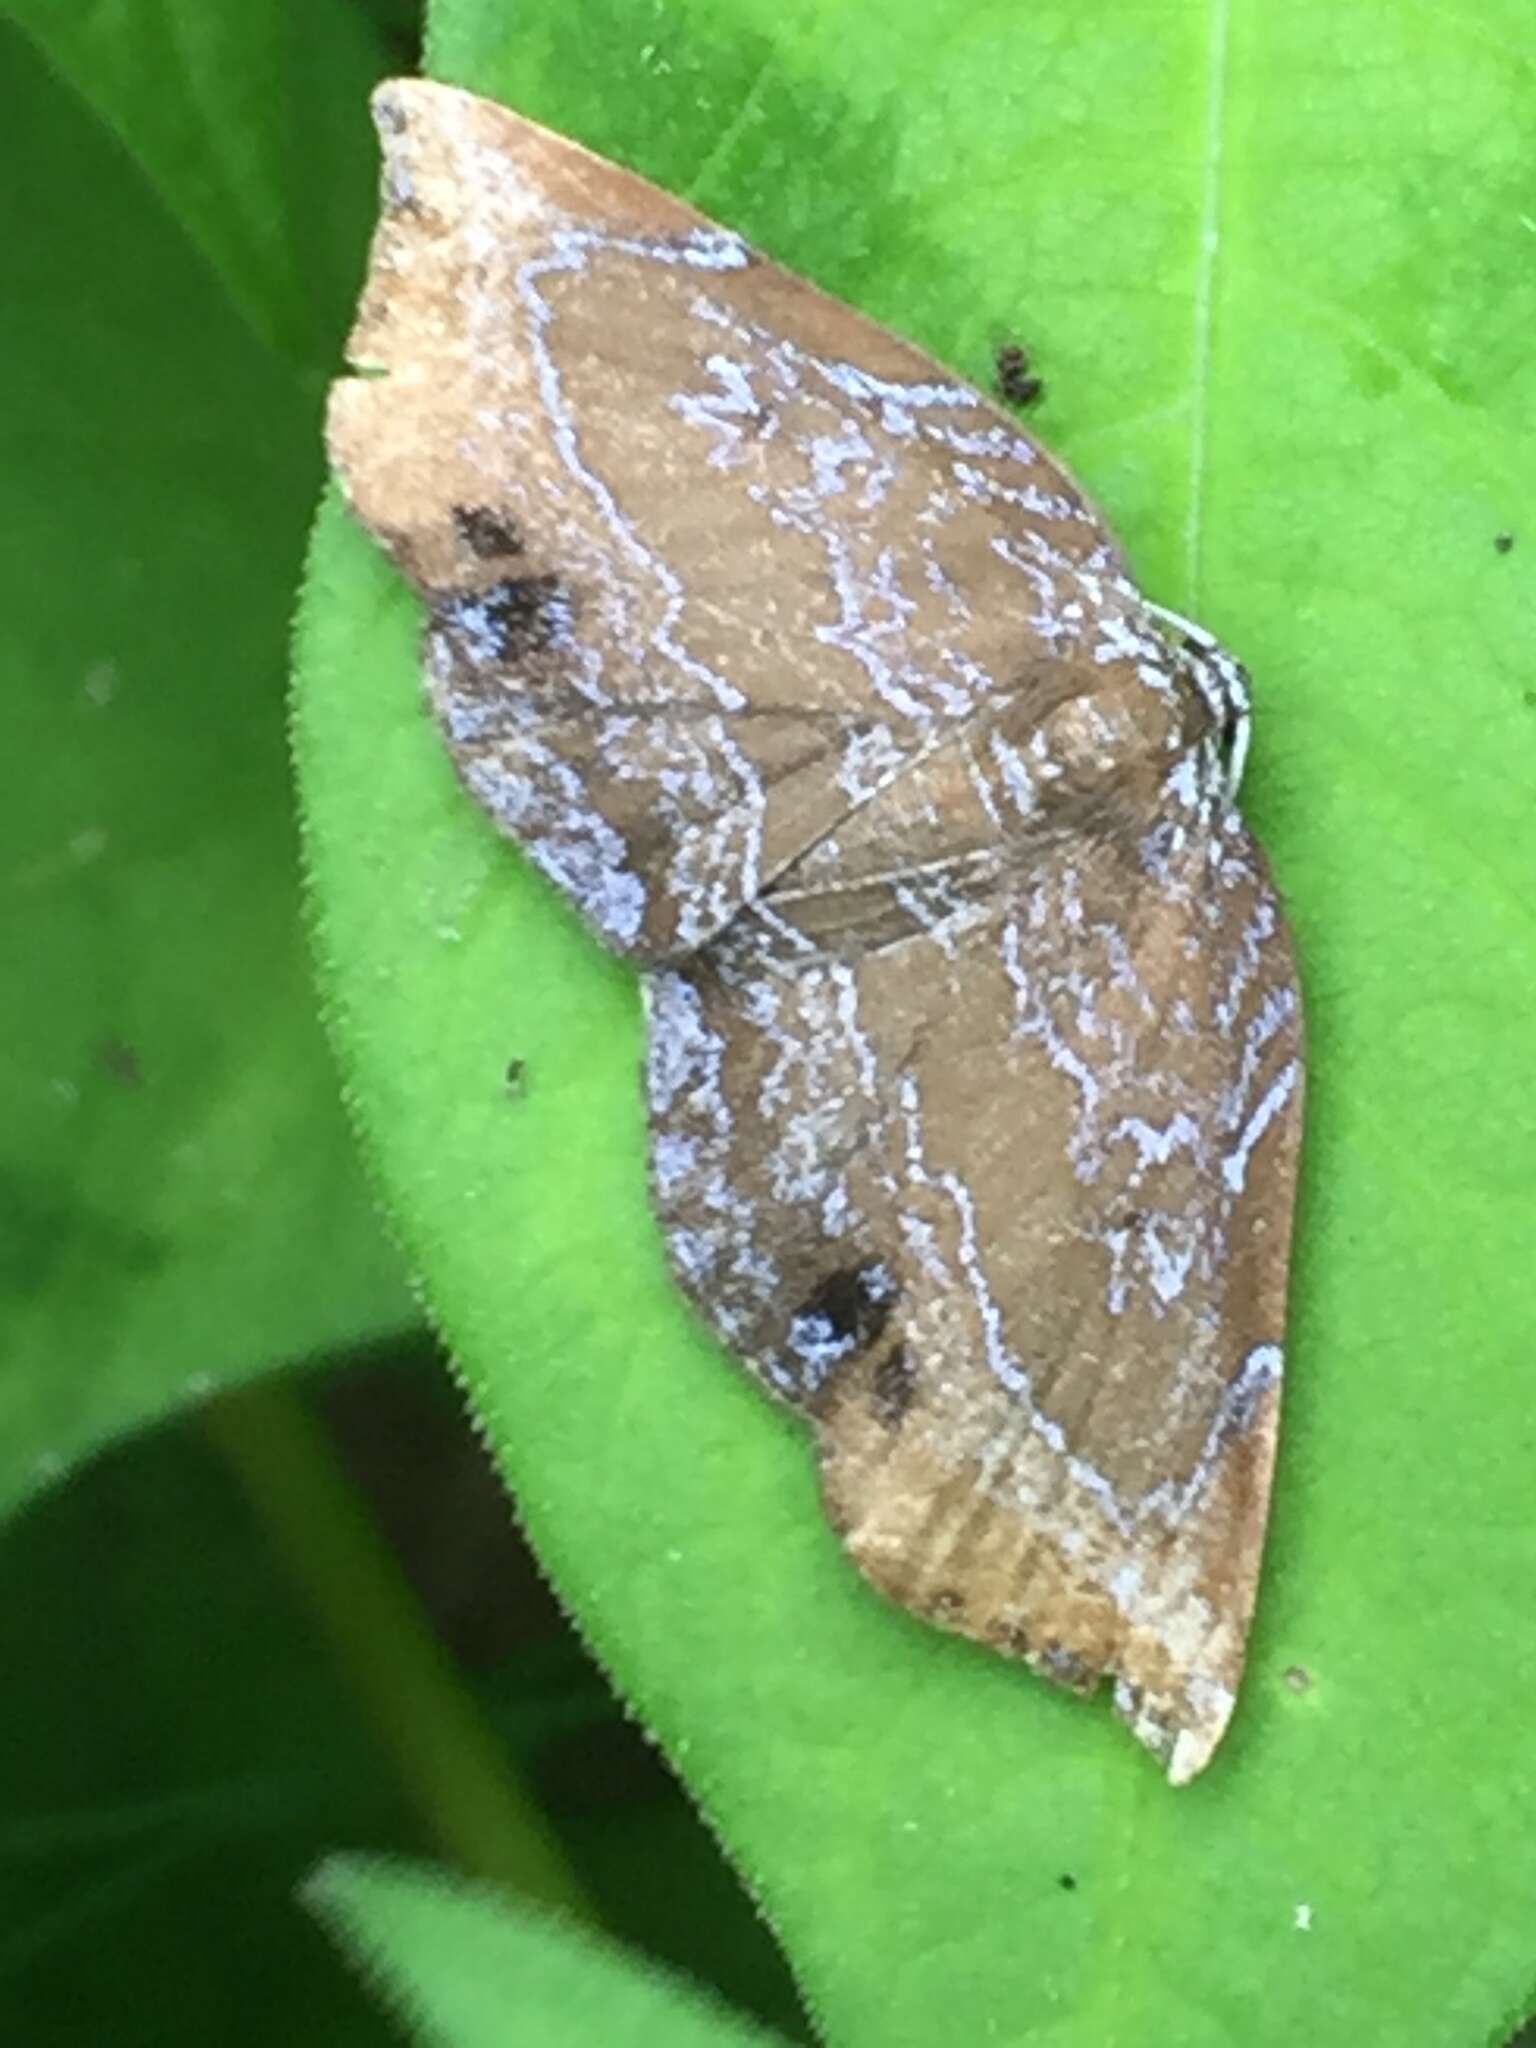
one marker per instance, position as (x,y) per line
(485,532)
(945,1605)
(840,1318)
(509,623)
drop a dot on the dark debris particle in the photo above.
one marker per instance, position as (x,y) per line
(1016,384)
(1503,542)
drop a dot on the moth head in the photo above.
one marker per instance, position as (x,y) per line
(1091,742)
(1215,685)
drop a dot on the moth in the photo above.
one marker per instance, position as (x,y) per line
(975,1040)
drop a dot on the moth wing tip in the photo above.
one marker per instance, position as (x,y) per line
(1190,1752)
(392,104)
(1183,1733)
(393,96)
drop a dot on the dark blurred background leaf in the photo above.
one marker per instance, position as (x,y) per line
(178,1751)
(182,1198)
(185,196)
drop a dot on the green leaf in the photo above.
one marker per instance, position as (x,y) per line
(1277,266)
(182,1203)
(470,1971)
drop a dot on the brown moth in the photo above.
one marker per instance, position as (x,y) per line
(975,1060)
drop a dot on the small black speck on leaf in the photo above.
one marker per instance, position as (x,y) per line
(121,1062)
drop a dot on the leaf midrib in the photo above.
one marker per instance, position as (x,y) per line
(1205,295)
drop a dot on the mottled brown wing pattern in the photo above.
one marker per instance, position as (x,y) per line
(995,1202)
(975,1044)
(691,599)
